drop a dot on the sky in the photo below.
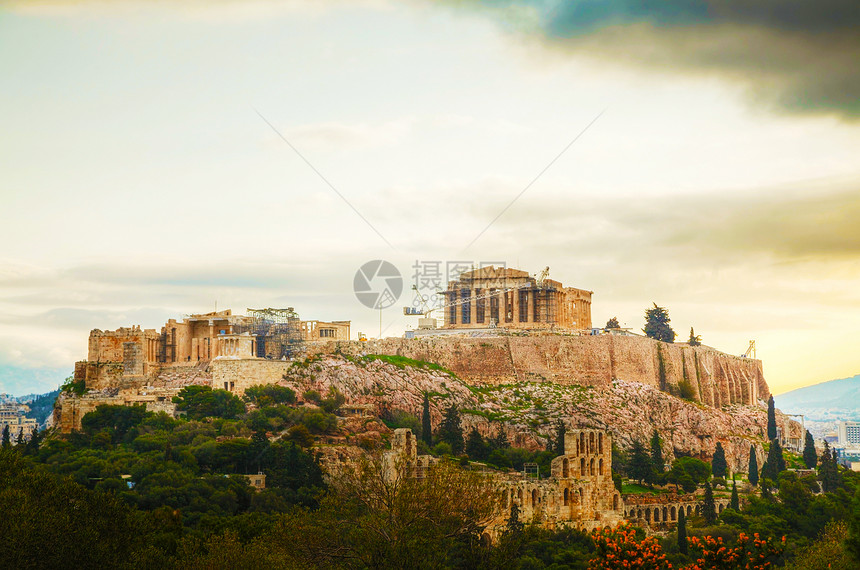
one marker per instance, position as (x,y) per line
(165,158)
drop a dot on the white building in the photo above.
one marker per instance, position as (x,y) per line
(849,433)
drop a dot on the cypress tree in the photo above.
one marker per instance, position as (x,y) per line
(810,457)
(451,431)
(19,440)
(775,463)
(426,427)
(657,453)
(560,430)
(736,503)
(32,447)
(682,530)
(514,525)
(476,448)
(7,439)
(753,470)
(640,467)
(718,461)
(828,472)
(709,507)
(501,439)
(771,419)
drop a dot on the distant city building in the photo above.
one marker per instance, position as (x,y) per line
(848,433)
(12,415)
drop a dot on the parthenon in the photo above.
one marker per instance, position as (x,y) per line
(511,298)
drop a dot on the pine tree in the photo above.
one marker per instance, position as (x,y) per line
(852,544)
(695,340)
(560,430)
(657,324)
(810,457)
(476,447)
(32,447)
(450,430)
(426,427)
(718,461)
(657,453)
(640,468)
(682,531)
(19,439)
(735,501)
(501,439)
(771,419)
(753,469)
(7,439)
(709,507)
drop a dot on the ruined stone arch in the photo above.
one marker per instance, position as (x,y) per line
(600,442)
(566,497)
(581,443)
(535,497)
(615,502)
(581,466)
(689,510)
(600,466)
(647,515)
(665,514)
(673,513)
(591,467)
(565,468)
(591,442)
(722,506)
(520,496)
(639,514)
(656,514)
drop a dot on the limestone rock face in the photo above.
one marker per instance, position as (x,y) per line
(716,378)
(529,412)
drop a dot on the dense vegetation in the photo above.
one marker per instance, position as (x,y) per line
(135,489)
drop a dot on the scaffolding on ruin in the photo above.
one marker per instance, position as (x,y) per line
(278,332)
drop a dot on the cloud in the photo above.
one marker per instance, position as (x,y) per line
(797,55)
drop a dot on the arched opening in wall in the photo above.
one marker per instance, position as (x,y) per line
(566,497)
(591,466)
(486,540)
(647,515)
(697,509)
(582,466)
(591,442)
(665,514)
(689,510)
(600,466)
(581,443)
(535,497)
(600,443)
(639,514)
(657,514)
(580,495)
(565,468)
(520,496)
(722,506)
(409,443)
(673,513)
(614,502)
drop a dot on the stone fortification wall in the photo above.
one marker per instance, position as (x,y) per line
(238,374)
(716,378)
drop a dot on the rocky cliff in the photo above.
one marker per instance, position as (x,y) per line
(715,378)
(528,412)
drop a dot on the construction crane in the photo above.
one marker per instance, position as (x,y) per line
(750,350)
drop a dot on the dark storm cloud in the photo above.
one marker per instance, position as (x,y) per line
(798,54)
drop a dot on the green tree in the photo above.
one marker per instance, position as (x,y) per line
(853,542)
(735,500)
(514,525)
(771,419)
(689,472)
(709,507)
(775,462)
(640,467)
(450,430)
(828,472)
(810,456)
(476,447)
(718,461)
(7,438)
(426,426)
(500,441)
(682,531)
(752,474)
(116,420)
(263,395)
(695,340)
(657,461)
(32,447)
(657,324)
(612,324)
(200,402)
